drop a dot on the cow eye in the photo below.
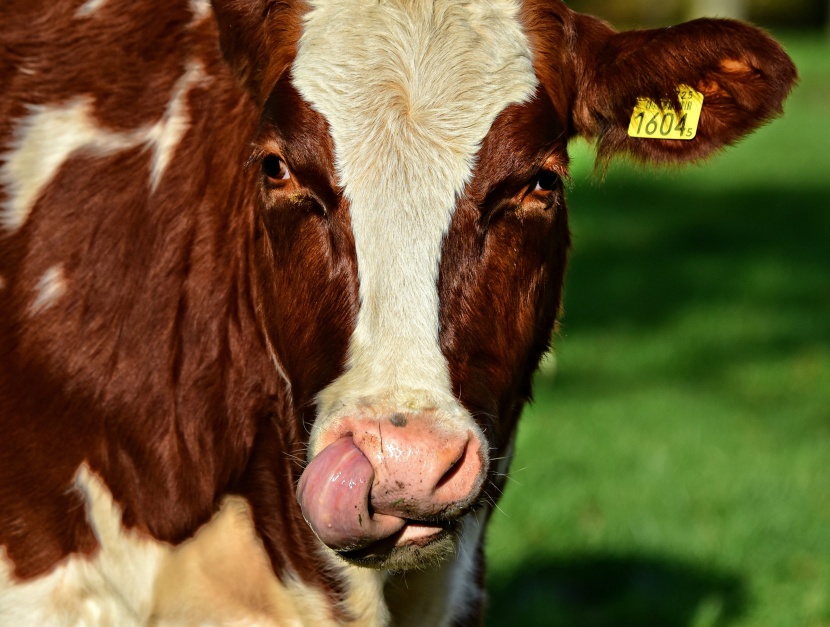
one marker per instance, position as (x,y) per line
(275,169)
(545,181)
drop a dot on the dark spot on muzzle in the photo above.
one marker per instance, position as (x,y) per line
(398,420)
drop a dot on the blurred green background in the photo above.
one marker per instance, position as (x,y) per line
(675,467)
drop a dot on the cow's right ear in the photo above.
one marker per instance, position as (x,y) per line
(742,73)
(258,40)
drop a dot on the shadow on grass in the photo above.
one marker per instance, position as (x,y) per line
(644,251)
(755,260)
(615,591)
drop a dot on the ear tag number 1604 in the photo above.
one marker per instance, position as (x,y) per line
(653,121)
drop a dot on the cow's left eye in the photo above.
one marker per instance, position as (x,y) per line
(275,169)
(545,181)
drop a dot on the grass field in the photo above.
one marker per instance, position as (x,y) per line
(675,468)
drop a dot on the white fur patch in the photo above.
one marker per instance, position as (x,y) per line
(42,143)
(166,134)
(409,89)
(50,287)
(89,7)
(114,587)
(52,133)
(365,601)
(200,8)
(222,576)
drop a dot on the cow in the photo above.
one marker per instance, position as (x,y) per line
(275,278)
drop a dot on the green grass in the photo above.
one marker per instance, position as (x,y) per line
(675,468)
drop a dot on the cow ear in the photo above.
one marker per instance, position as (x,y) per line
(743,74)
(258,40)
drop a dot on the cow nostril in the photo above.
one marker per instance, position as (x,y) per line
(452,473)
(461,478)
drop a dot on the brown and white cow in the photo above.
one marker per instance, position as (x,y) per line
(274,279)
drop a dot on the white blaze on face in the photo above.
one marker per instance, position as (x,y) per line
(409,90)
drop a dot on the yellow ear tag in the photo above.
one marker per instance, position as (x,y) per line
(651,121)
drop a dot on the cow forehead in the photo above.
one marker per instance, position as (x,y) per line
(411,79)
(409,90)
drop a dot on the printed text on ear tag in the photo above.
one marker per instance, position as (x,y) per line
(651,121)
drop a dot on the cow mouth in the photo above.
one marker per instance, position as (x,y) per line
(416,544)
(334,494)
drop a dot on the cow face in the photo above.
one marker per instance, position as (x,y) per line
(414,230)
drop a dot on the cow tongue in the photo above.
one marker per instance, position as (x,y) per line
(334,497)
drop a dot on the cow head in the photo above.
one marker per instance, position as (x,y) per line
(413,228)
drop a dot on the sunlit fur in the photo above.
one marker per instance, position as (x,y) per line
(45,139)
(222,576)
(89,7)
(50,287)
(115,587)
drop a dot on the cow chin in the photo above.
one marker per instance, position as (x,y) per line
(422,552)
